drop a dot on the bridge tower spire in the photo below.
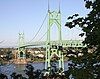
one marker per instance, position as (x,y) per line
(54,17)
(21,50)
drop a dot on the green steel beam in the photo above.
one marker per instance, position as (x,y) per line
(53,18)
(65,43)
(21,50)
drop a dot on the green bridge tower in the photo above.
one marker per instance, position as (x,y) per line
(54,17)
(21,50)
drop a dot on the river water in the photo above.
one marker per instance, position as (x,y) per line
(10,68)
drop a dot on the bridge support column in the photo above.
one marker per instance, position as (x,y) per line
(61,59)
(54,18)
(21,57)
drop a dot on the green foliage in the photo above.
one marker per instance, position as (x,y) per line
(88,65)
(30,71)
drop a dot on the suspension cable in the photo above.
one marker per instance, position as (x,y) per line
(39,28)
(47,31)
(57,22)
(43,36)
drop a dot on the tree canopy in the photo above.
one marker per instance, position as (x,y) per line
(87,66)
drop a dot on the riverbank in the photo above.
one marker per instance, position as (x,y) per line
(25,61)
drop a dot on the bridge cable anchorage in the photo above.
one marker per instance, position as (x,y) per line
(39,29)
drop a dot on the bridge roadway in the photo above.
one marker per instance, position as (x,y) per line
(65,43)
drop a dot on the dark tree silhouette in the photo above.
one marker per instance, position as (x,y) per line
(87,66)
(30,71)
(3,76)
(13,75)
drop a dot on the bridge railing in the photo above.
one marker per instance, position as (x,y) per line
(65,43)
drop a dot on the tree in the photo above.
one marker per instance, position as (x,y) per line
(3,76)
(88,65)
(9,55)
(30,71)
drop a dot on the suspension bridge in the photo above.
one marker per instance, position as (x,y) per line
(52,47)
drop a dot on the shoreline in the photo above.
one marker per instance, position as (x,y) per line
(24,62)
